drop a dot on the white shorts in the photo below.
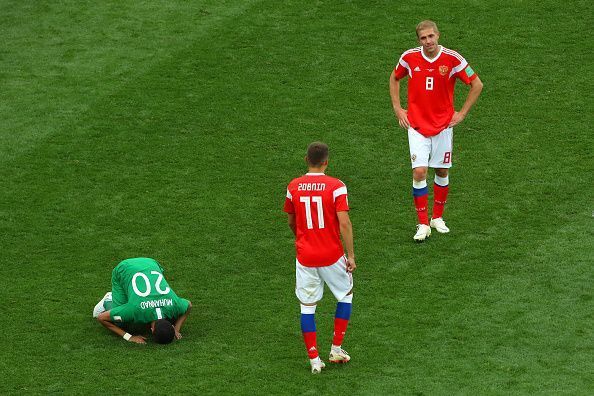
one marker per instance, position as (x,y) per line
(309,287)
(433,152)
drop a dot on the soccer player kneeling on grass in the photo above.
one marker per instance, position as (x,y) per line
(317,208)
(140,295)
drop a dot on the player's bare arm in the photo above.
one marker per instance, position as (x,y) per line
(346,230)
(292,223)
(401,113)
(476,86)
(105,319)
(180,321)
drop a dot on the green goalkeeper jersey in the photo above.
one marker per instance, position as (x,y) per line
(141,294)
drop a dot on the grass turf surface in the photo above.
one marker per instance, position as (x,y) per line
(170,130)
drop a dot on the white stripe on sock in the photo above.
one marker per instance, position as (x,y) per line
(308,309)
(442,181)
(419,184)
(347,299)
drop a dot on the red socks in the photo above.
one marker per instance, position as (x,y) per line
(420,196)
(440,195)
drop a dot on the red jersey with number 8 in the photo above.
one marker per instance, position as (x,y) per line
(431,87)
(315,199)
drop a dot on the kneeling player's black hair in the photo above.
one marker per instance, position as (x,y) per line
(164,331)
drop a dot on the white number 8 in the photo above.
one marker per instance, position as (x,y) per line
(429,84)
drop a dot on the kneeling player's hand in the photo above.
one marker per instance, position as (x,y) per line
(138,339)
(178,335)
(351,266)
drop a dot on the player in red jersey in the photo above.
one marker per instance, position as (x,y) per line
(432,71)
(317,208)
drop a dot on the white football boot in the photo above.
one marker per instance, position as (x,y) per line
(423,232)
(316,365)
(100,307)
(439,225)
(338,355)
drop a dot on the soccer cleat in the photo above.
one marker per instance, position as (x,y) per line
(100,307)
(439,225)
(423,232)
(338,356)
(316,365)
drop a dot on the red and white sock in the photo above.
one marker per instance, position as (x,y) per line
(440,195)
(420,196)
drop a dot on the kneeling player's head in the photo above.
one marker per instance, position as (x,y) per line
(317,154)
(163,332)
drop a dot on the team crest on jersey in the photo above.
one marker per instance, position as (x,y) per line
(443,70)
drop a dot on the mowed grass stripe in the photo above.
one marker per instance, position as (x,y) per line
(77,56)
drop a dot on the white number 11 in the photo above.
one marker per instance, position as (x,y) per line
(307,202)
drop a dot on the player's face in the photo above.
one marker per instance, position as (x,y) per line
(428,39)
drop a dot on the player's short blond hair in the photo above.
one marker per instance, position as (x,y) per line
(427,24)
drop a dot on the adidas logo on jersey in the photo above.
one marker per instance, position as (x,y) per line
(417,68)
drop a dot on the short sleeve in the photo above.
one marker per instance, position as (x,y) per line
(402,69)
(122,314)
(182,307)
(341,200)
(464,72)
(289,207)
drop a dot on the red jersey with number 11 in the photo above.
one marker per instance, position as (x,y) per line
(431,87)
(314,199)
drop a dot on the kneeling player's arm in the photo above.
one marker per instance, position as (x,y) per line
(180,321)
(105,319)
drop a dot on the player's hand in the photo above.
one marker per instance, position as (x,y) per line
(178,335)
(138,339)
(351,266)
(456,119)
(402,116)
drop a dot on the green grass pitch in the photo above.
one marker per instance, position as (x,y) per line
(169,129)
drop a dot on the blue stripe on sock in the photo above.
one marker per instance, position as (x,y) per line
(419,192)
(343,310)
(308,323)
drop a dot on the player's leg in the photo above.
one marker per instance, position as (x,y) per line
(440,196)
(118,288)
(340,282)
(420,148)
(441,160)
(309,289)
(341,321)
